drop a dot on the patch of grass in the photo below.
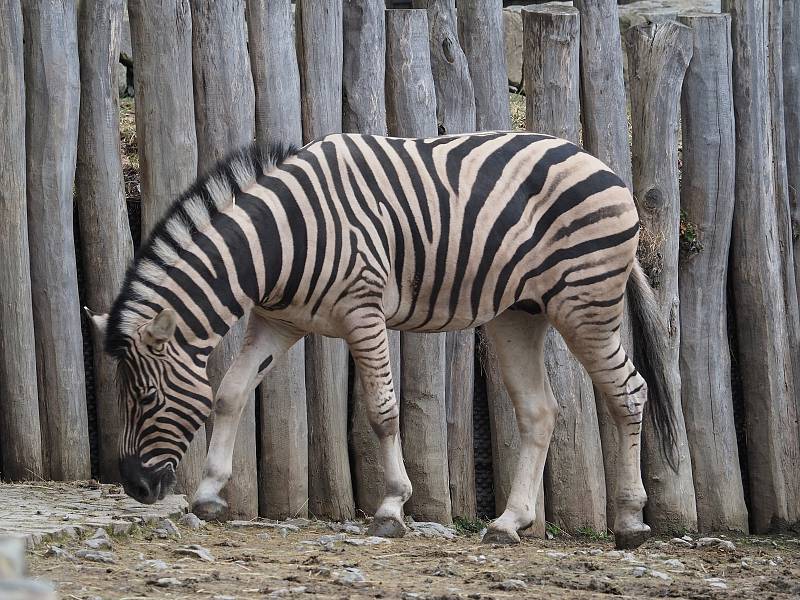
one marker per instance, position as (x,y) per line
(592,534)
(518,112)
(689,236)
(553,531)
(465,526)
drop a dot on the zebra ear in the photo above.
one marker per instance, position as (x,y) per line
(161,328)
(99,321)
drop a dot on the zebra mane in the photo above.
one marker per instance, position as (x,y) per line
(210,194)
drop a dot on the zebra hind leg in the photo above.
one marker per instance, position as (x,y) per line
(369,346)
(518,340)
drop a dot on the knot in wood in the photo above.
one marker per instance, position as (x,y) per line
(447,49)
(653,199)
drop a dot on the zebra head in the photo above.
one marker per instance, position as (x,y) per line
(165,398)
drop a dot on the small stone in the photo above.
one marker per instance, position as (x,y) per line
(595,552)
(369,541)
(168,582)
(639,571)
(687,538)
(98,543)
(480,559)
(263,525)
(297,522)
(263,536)
(191,521)
(615,554)
(512,585)
(152,565)
(55,551)
(716,542)
(659,575)
(97,556)
(432,530)
(168,527)
(675,564)
(195,551)
(324,540)
(351,576)
(70,531)
(224,597)
(716,582)
(557,554)
(298,589)
(121,527)
(681,542)
(410,596)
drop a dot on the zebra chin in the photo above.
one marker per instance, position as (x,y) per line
(146,485)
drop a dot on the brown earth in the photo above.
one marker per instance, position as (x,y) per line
(255,562)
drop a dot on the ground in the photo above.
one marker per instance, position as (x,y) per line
(315,561)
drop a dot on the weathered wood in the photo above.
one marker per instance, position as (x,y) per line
(605,135)
(224,110)
(106,244)
(480,29)
(161,35)
(791,92)
(574,477)
(320,51)
(273,59)
(283,448)
(505,439)
(364,108)
(283,453)
(658,55)
(707,199)
(20,432)
(756,278)
(52,99)
(411,112)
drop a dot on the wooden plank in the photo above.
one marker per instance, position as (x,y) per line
(575,493)
(756,275)
(283,448)
(707,200)
(658,55)
(224,109)
(319,39)
(791,92)
(364,111)
(411,112)
(52,94)
(161,35)
(20,432)
(106,244)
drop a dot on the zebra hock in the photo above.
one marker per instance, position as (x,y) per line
(354,234)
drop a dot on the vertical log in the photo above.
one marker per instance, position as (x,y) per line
(224,104)
(319,32)
(105,234)
(20,432)
(283,456)
(707,201)
(411,112)
(791,92)
(658,55)
(605,135)
(52,82)
(364,107)
(574,478)
(757,275)
(161,35)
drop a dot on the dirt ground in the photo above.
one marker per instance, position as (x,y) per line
(315,561)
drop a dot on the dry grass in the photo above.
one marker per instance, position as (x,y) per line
(518,112)
(130,152)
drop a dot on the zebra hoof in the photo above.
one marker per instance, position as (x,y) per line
(503,538)
(212,509)
(632,538)
(386,527)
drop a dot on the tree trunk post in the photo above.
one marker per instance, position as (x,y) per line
(365,112)
(658,55)
(161,36)
(756,275)
(411,112)
(574,477)
(106,244)
(20,431)
(320,54)
(707,200)
(791,93)
(52,81)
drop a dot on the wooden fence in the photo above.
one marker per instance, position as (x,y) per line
(714,165)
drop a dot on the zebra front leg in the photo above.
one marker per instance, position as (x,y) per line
(518,340)
(369,346)
(264,342)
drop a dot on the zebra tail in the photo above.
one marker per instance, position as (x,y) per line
(654,361)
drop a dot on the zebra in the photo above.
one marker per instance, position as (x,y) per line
(352,235)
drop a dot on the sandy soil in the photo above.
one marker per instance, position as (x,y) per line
(258,562)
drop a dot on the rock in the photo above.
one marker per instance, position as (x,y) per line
(639,571)
(54,551)
(152,565)
(717,542)
(97,556)
(369,541)
(98,543)
(168,582)
(224,597)
(264,525)
(195,551)
(121,527)
(432,530)
(595,552)
(351,576)
(687,538)
(169,528)
(675,564)
(659,575)
(298,589)
(557,554)
(191,521)
(716,582)
(347,527)
(410,596)
(511,585)
(681,542)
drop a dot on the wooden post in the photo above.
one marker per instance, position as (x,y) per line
(574,478)
(605,135)
(20,432)
(283,449)
(791,92)
(707,201)
(224,108)
(106,244)
(273,58)
(52,95)
(411,112)
(756,276)
(365,112)
(658,54)
(161,35)
(319,29)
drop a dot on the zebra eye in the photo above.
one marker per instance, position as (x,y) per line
(150,397)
